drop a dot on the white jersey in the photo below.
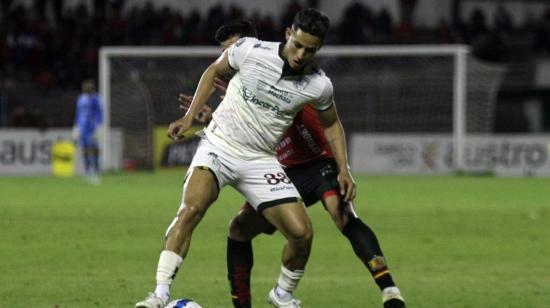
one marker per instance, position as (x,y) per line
(260,102)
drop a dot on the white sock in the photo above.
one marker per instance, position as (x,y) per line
(163,291)
(287,282)
(282,293)
(169,262)
(391,293)
(392,290)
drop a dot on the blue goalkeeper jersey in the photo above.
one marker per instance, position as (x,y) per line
(88,114)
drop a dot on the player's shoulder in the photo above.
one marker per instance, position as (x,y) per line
(81,97)
(246,41)
(318,75)
(266,45)
(315,69)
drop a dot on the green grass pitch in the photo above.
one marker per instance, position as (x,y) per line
(450,242)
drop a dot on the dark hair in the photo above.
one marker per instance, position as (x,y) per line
(240,27)
(312,21)
(88,85)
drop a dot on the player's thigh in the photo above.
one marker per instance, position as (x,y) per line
(200,188)
(87,141)
(205,177)
(199,192)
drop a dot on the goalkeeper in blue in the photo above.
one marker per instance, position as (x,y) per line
(88,118)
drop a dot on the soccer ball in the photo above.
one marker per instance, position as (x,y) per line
(183,303)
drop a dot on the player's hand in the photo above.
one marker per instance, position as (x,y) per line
(185,101)
(177,128)
(220,84)
(205,113)
(347,185)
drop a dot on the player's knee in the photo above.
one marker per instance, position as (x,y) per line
(308,236)
(193,210)
(335,209)
(237,229)
(303,243)
(340,219)
(301,235)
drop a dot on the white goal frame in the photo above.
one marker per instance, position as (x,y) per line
(458,52)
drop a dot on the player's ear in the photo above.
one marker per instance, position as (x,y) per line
(288,32)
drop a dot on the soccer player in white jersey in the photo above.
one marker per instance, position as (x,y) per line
(307,159)
(273,81)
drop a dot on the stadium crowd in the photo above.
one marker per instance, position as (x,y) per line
(59,49)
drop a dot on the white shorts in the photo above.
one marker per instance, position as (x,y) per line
(263,183)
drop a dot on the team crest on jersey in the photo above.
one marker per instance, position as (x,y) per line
(302,83)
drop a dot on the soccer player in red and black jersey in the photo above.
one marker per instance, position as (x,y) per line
(308,161)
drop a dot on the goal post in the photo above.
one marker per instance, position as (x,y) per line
(458,54)
(378,89)
(109,54)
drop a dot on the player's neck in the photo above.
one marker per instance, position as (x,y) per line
(287,69)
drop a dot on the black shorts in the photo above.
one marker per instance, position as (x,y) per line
(315,180)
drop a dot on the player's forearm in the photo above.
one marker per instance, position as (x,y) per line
(205,88)
(337,141)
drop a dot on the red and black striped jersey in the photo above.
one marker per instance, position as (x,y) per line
(304,141)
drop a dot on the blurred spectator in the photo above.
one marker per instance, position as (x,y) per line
(356,25)
(194,37)
(61,50)
(443,32)
(214,20)
(40,7)
(407,10)
(5,7)
(38,118)
(405,31)
(23,117)
(19,117)
(267,29)
(46,78)
(383,26)
(490,46)
(292,8)
(235,12)
(542,33)
(503,20)
(477,25)
(117,28)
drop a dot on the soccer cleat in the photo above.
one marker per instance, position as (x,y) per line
(391,298)
(152,301)
(274,300)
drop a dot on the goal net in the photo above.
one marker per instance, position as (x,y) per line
(379,91)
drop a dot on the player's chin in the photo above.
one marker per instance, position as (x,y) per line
(296,65)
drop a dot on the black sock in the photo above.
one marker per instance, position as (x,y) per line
(239,265)
(366,247)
